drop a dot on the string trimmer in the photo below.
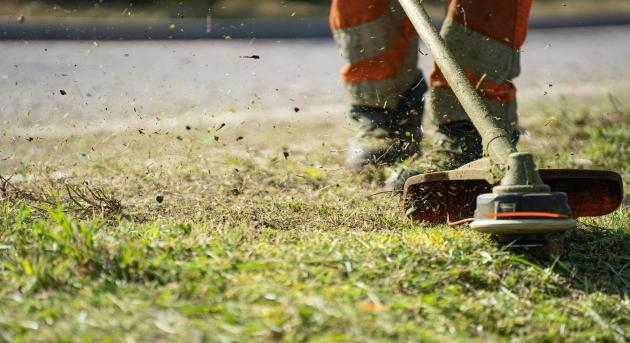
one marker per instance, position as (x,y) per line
(503,193)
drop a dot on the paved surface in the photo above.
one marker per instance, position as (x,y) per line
(73,28)
(113,85)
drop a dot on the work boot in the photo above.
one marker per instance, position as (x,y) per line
(455,145)
(387,137)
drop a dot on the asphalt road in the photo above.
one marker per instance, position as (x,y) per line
(56,87)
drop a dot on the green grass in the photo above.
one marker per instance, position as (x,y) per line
(250,245)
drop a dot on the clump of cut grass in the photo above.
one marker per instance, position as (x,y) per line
(84,200)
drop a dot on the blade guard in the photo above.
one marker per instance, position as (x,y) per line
(451,195)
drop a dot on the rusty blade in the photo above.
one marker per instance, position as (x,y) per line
(437,196)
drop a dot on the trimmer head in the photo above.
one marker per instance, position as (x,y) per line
(522,213)
(527,201)
(453,196)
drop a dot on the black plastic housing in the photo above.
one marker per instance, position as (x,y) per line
(554,202)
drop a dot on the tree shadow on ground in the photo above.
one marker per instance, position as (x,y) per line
(591,258)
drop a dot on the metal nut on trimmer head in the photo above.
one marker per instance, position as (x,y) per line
(521,176)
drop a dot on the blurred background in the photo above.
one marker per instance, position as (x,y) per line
(82,66)
(164,19)
(253,8)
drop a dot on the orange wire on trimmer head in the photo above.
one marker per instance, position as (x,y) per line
(459,222)
(549,215)
(525,214)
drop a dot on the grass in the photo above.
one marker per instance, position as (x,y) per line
(269,238)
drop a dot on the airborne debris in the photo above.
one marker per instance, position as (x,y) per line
(296,109)
(254,57)
(286,154)
(216,138)
(221,126)
(62,92)
(159,198)
(239,138)
(188,127)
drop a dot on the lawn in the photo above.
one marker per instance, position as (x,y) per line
(256,231)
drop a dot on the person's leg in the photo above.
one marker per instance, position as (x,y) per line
(381,78)
(485,36)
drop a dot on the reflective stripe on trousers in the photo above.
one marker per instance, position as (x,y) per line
(381,50)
